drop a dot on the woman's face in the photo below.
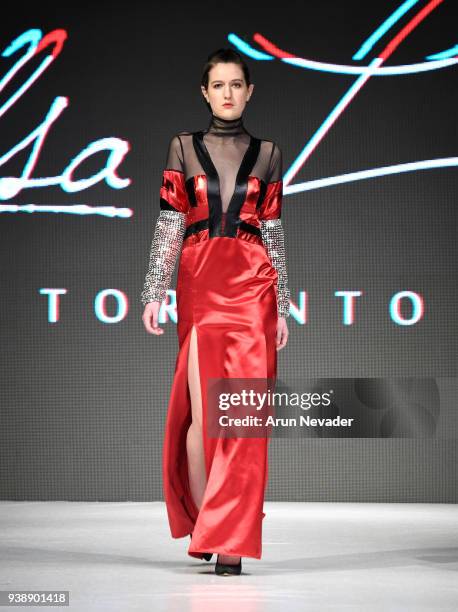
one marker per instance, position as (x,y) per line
(227,91)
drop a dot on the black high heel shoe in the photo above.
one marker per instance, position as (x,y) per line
(206,556)
(223,569)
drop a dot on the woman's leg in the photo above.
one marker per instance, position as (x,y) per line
(194,441)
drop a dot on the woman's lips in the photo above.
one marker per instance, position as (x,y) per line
(228,105)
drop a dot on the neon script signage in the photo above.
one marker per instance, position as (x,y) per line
(444,59)
(33,43)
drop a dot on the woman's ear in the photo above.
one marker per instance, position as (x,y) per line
(204,92)
(250,91)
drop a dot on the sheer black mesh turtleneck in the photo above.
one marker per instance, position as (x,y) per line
(226,127)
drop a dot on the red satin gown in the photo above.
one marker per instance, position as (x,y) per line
(226,289)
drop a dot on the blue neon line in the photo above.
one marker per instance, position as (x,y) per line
(68,209)
(32,36)
(248,49)
(382,29)
(381,72)
(444,54)
(329,120)
(359,175)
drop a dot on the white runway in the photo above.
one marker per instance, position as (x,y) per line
(316,556)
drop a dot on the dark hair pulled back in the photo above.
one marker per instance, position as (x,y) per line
(224,56)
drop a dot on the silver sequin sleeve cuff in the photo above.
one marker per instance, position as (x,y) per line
(165,248)
(273,238)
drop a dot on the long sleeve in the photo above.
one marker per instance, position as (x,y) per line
(272,232)
(169,229)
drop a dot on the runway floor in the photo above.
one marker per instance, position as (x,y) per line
(316,556)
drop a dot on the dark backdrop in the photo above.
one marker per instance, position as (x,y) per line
(83,399)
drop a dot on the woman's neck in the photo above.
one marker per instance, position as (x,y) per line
(226,127)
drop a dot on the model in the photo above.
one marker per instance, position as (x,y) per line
(220,208)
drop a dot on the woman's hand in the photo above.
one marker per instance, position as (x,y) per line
(282,333)
(150,317)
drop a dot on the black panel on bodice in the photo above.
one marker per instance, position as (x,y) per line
(227,153)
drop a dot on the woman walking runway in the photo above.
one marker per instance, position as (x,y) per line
(220,207)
